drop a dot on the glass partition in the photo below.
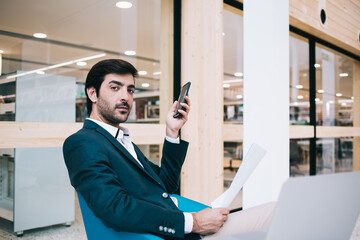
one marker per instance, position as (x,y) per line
(299,157)
(73,40)
(299,81)
(233,86)
(334,107)
(233,67)
(334,155)
(47,49)
(334,88)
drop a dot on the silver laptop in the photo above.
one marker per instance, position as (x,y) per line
(314,207)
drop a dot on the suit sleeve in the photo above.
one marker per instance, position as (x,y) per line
(173,157)
(90,172)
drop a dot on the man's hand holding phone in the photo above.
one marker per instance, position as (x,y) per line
(184,92)
(173,124)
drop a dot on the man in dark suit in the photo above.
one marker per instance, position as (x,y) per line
(120,185)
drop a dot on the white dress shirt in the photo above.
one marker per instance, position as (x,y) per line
(123,136)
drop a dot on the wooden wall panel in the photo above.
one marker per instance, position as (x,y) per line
(337,132)
(341,27)
(43,134)
(301,132)
(234,133)
(166,57)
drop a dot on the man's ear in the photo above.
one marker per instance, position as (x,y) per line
(91,92)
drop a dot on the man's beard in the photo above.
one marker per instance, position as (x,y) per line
(110,114)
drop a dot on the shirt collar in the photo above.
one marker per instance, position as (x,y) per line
(112,130)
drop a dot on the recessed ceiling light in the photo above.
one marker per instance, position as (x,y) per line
(123,4)
(338,94)
(331,102)
(40,72)
(239,96)
(223,34)
(299,86)
(81,64)
(130,53)
(1,51)
(300,97)
(145,85)
(236,80)
(317,99)
(343,74)
(343,104)
(226,85)
(316,65)
(40,35)
(352,97)
(238,74)
(320,91)
(142,72)
(156,73)
(305,74)
(56,66)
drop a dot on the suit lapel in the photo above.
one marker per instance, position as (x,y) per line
(141,158)
(121,148)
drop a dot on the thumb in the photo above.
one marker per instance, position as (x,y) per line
(174,106)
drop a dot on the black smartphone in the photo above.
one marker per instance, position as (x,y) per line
(184,92)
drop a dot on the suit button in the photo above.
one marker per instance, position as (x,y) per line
(165,229)
(165,195)
(161,228)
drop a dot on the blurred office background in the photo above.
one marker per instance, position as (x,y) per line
(47,48)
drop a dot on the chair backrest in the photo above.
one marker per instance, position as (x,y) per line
(96,230)
(187,205)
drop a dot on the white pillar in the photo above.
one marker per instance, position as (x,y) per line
(266,96)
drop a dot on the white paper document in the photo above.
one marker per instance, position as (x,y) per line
(248,165)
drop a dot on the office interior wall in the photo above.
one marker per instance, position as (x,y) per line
(266,47)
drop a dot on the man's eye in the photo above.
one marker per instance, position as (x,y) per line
(131,90)
(115,88)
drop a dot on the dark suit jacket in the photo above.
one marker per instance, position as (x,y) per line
(125,196)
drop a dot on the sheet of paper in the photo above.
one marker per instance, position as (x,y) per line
(248,165)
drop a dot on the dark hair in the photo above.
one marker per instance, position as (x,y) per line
(98,72)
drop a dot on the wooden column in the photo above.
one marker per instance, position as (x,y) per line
(166,57)
(202,64)
(166,60)
(356,107)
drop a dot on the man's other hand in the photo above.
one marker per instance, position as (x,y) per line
(173,125)
(209,221)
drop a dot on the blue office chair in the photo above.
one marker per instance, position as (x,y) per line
(95,229)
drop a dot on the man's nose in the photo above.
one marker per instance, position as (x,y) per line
(124,95)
